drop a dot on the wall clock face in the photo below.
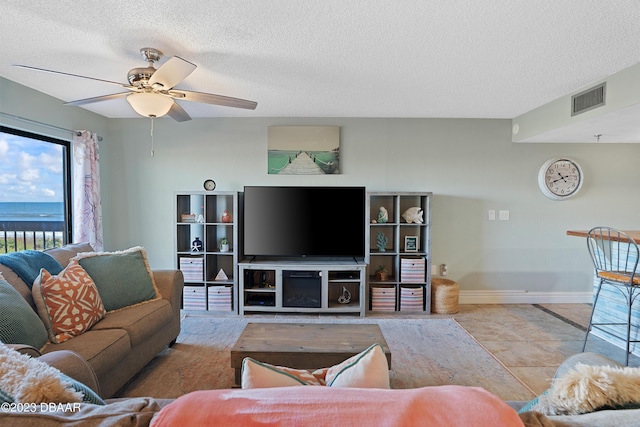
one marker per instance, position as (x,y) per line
(209,185)
(560,178)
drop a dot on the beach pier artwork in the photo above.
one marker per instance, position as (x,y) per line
(304,150)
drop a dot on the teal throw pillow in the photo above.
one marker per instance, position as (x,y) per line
(19,323)
(5,397)
(533,403)
(123,278)
(88,395)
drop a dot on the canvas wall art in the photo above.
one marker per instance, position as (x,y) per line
(304,150)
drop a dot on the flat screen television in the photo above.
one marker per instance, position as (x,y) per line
(304,221)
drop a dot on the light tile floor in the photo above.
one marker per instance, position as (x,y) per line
(532,340)
(529,340)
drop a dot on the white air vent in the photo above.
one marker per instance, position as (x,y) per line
(588,99)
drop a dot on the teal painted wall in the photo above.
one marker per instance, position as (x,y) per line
(470,165)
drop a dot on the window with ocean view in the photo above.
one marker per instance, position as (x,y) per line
(35,191)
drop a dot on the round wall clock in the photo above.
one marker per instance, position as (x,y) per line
(560,178)
(209,185)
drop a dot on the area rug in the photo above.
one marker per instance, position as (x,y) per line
(425,352)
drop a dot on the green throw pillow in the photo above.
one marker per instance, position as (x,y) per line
(88,395)
(533,403)
(5,397)
(123,278)
(19,323)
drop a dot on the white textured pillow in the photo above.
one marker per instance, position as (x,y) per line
(587,388)
(368,369)
(29,380)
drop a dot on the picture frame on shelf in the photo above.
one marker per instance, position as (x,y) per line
(188,217)
(411,244)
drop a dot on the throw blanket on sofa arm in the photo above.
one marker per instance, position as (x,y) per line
(27,264)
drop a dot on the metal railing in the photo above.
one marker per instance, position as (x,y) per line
(39,235)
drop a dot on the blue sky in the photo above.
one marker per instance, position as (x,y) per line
(30,170)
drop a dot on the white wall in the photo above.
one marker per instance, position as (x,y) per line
(470,165)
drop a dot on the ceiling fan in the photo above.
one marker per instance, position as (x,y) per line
(151,91)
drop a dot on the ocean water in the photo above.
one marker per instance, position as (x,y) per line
(31,211)
(278,159)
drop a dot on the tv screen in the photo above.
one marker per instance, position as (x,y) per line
(304,221)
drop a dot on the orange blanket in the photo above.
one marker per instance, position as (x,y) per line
(440,406)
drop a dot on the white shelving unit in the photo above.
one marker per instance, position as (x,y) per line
(408,266)
(200,214)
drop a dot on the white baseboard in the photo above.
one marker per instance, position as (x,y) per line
(523,297)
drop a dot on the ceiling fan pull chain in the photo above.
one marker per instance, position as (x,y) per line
(152,151)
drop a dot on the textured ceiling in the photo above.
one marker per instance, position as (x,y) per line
(329,58)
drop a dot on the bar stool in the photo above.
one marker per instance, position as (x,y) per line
(615,259)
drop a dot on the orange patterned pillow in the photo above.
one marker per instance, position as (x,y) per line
(259,375)
(68,303)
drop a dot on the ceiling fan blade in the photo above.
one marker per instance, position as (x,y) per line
(28,67)
(98,99)
(171,73)
(178,114)
(210,98)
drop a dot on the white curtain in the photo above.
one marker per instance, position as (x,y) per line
(87,207)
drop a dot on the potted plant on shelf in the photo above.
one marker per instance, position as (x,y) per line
(382,273)
(224,245)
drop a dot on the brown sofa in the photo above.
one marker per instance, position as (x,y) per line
(124,341)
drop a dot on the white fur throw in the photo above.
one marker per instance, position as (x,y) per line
(587,388)
(29,380)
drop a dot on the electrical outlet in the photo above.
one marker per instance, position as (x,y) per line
(504,215)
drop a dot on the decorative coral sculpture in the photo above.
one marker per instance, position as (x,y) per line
(381,240)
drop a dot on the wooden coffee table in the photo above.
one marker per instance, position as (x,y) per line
(304,345)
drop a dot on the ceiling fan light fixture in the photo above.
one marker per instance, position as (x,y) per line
(150,104)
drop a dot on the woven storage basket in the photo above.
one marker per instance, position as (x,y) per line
(220,298)
(444,296)
(411,299)
(383,299)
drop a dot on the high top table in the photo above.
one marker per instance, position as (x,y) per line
(634,234)
(612,306)
(304,345)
